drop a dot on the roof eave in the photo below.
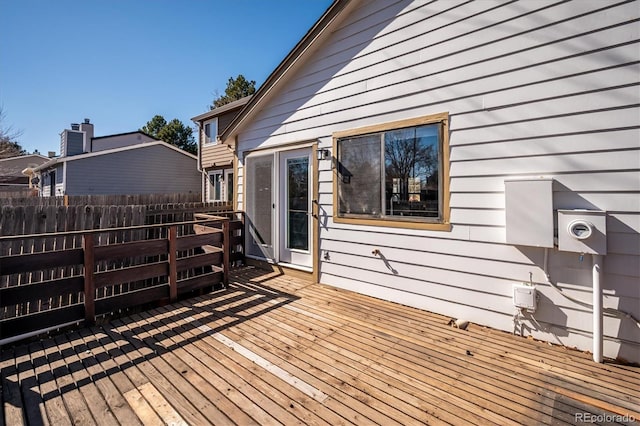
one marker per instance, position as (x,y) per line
(221,110)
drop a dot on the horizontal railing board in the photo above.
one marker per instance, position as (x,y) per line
(213,240)
(40,291)
(199,260)
(133,298)
(205,280)
(131,249)
(133,273)
(40,321)
(16,264)
(192,241)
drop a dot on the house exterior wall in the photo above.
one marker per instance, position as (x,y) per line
(216,156)
(155,169)
(219,154)
(119,141)
(532,89)
(47,181)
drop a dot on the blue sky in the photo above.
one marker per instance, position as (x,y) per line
(121,62)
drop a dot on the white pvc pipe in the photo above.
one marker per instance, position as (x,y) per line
(597,307)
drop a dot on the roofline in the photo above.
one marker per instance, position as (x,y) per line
(238,103)
(127,133)
(26,155)
(111,151)
(298,51)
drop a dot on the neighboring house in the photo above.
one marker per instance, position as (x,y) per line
(126,163)
(14,171)
(215,159)
(421,114)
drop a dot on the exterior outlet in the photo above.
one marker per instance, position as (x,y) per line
(525,297)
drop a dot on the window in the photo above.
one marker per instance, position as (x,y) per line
(395,173)
(215,185)
(211,131)
(221,185)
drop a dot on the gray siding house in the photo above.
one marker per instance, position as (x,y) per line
(478,159)
(128,163)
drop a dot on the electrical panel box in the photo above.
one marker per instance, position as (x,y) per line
(525,297)
(582,231)
(529,211)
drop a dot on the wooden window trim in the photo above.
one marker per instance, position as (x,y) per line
(441,225)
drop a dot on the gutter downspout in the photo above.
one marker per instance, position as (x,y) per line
(597,307)
(203,195)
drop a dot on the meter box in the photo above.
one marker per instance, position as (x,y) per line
(525,297)
(529,211)
(582,231)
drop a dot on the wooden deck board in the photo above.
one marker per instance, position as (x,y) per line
(510,351)
(408,354)
(272,349)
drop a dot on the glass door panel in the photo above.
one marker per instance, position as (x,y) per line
(260,206)
(295,236)
(298,204)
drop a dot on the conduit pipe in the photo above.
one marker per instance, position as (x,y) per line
(597,307)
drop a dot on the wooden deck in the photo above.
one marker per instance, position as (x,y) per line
(276,350)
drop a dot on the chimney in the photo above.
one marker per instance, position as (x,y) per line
(72,141)
(87,128)
(51,154)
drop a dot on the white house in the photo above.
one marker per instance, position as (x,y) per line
(425,153)
(124,163)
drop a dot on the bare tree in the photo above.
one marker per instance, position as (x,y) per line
(9,147)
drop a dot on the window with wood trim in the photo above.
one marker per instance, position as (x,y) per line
(395,173)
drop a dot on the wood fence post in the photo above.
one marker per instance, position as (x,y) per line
(173,263)
(226,251)
(88,241)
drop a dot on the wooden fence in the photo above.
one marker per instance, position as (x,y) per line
(101,200)
(32,219)
(75,276)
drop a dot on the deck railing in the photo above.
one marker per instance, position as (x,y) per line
(148,264)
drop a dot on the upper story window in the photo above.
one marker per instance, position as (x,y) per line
(395,174)
(211,131)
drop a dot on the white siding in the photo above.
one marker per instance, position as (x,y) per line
(532,88)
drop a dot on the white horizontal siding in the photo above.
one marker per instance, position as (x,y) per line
(533,89)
